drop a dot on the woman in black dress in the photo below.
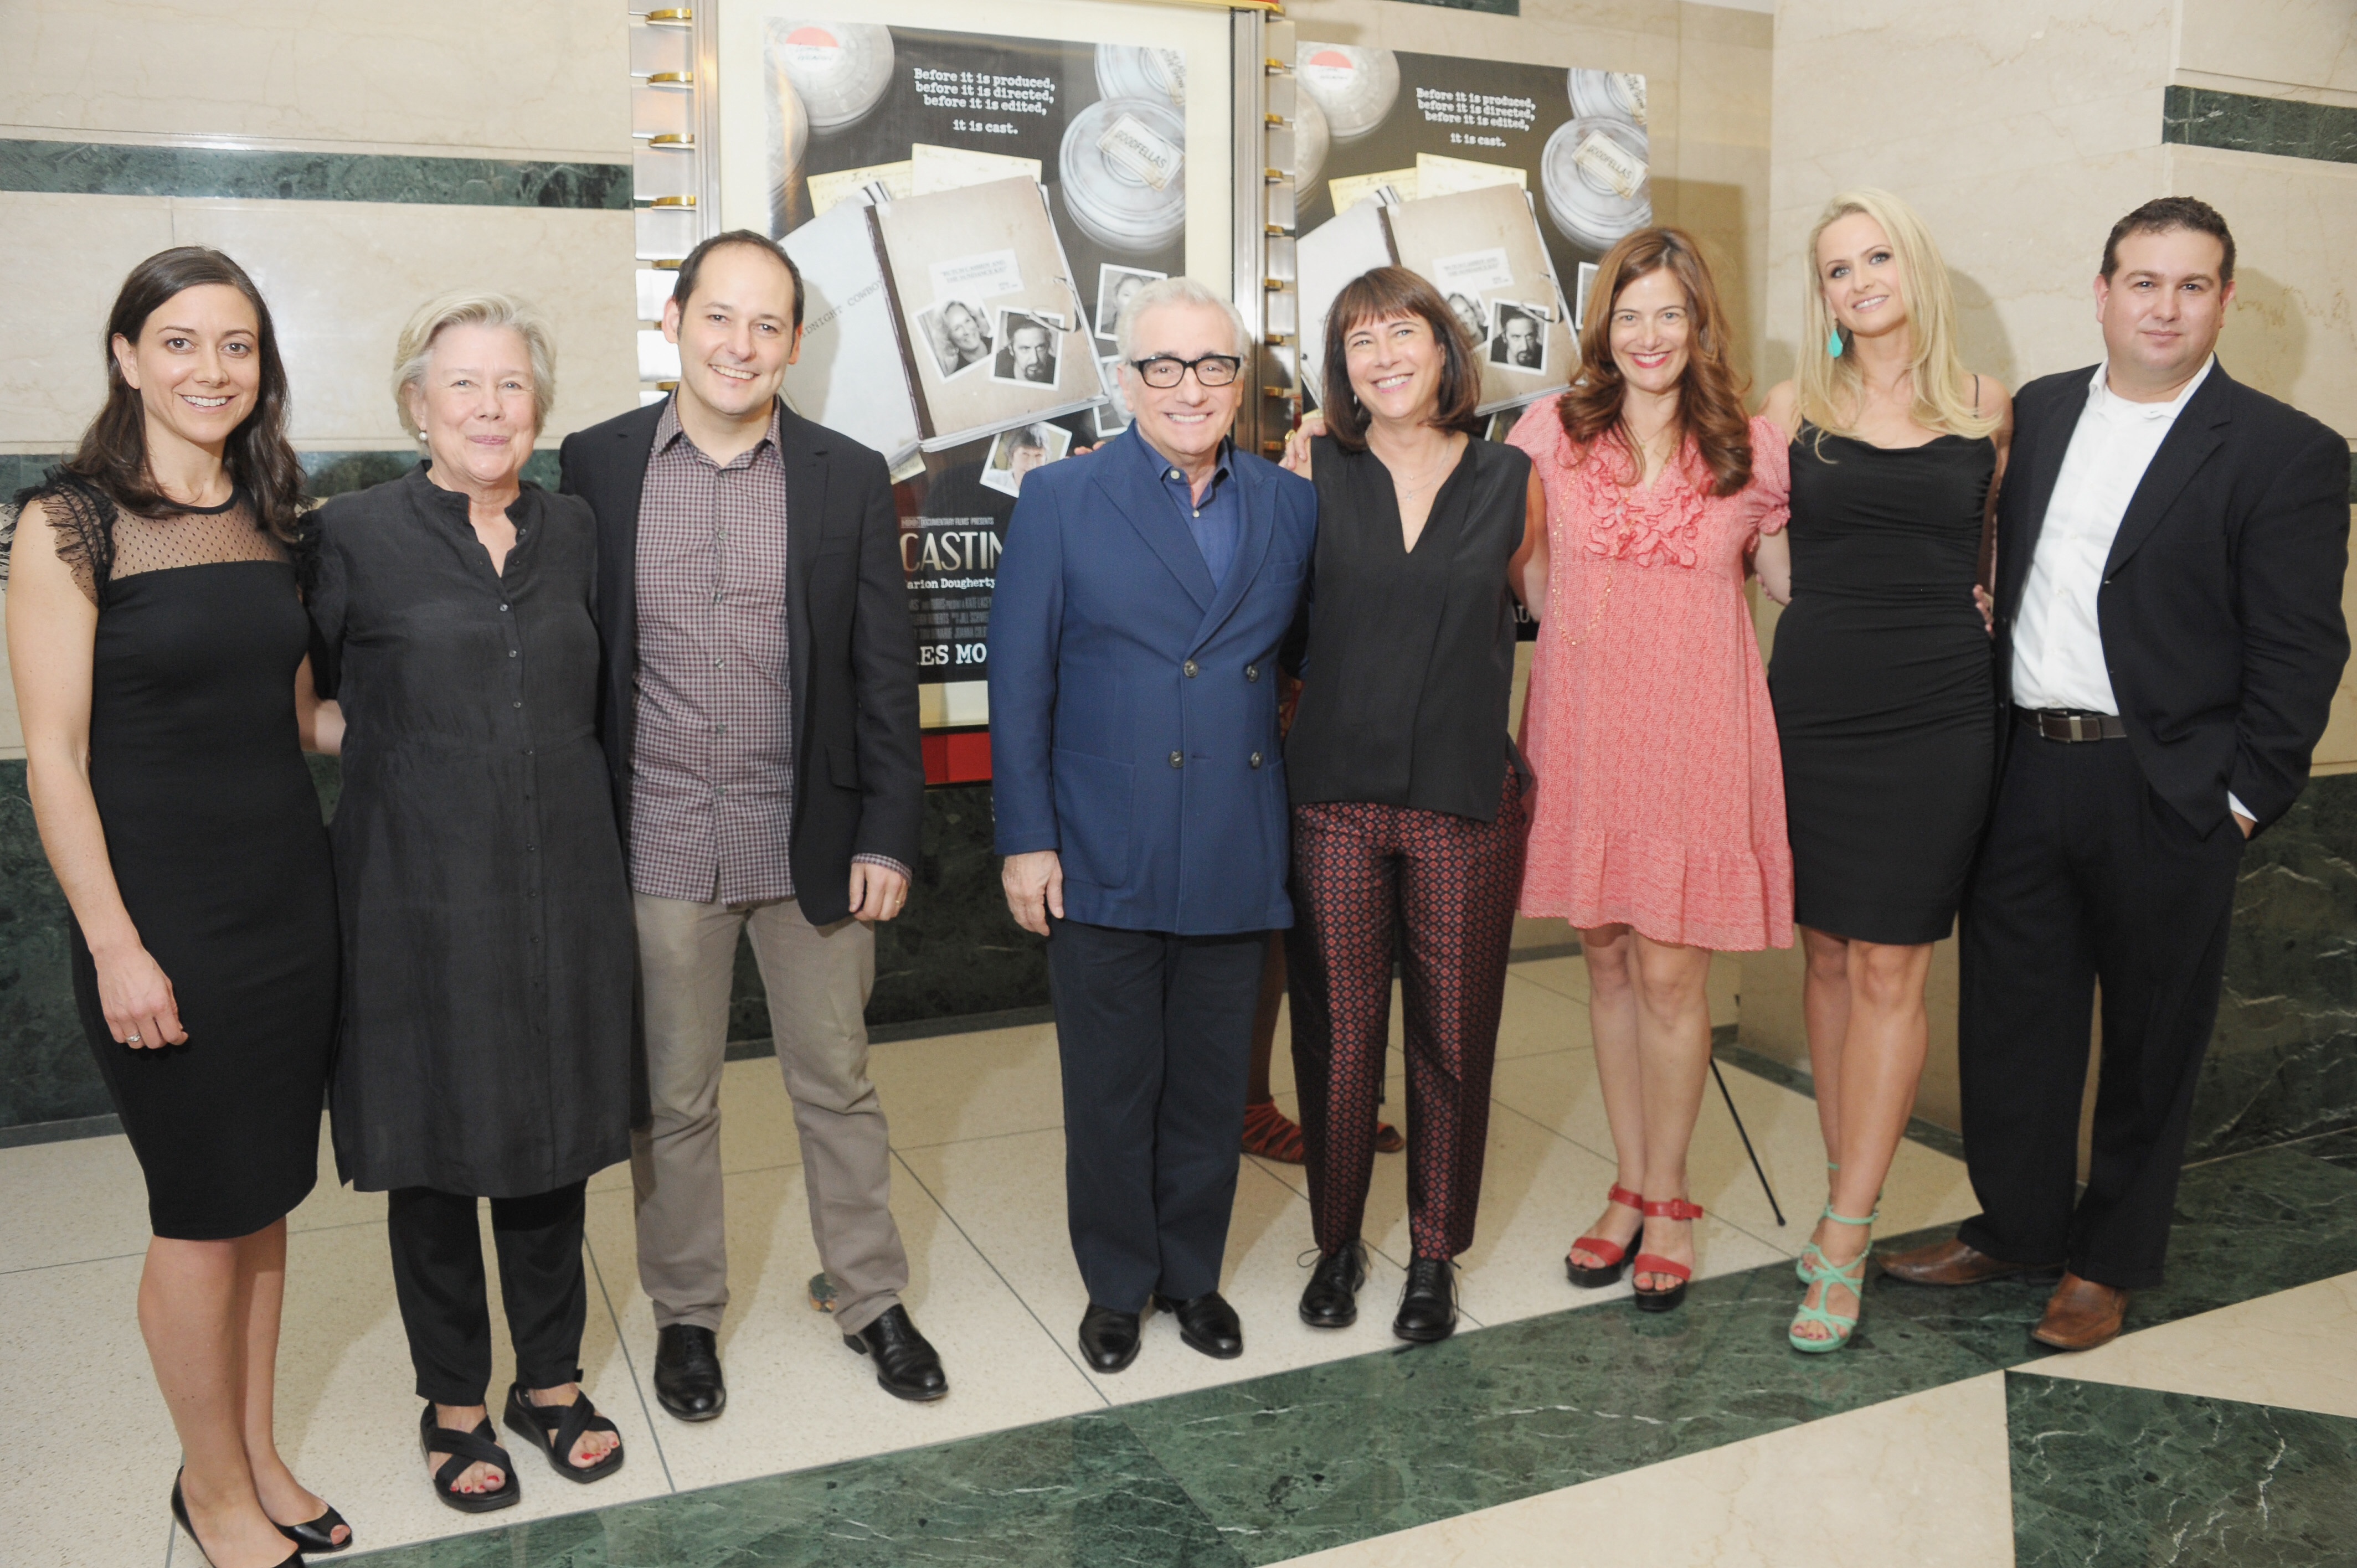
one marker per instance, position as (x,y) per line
(1410,803)
(1884,689)
(488,947)
(157,639)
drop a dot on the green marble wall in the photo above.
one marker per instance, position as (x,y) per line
(2242,122)
(111,168)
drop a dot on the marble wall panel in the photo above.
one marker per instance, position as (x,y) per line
(79,247)
(529,77)
(341,277)
(2271,44)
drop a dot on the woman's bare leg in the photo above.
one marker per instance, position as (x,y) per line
(1673,1049)
(1882,1063)
(194,1301)
(1824,1009)
(263,1258)
(1608,952)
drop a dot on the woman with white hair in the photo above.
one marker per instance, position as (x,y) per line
(1884,688)
(488,944)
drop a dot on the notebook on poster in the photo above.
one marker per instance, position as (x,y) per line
(939,319)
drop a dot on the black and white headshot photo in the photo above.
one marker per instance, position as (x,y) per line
(1518,339)
(959,333)
(1026,351)
(1112,415)
(1114,286)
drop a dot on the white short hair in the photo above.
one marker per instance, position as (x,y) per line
(1174,291)
(473,307)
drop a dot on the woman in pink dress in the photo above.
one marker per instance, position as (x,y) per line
(1660,827)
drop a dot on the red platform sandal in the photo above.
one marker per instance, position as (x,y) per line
(1614,1254)
(1654,1263)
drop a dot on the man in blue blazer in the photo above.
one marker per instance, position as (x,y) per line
(1141,804)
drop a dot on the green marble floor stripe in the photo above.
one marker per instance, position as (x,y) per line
(2105,1477)
(1271,1468)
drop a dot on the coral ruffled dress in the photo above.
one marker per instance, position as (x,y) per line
(1660,799)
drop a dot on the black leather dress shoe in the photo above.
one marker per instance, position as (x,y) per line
(1108,1339)
(1427,1309)
(1331,1299)
(1207,1323)
(687,1372)
(906,1365)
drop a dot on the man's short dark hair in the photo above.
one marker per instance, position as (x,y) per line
(681,290)
(2165,213)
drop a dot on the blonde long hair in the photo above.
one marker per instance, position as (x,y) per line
(1944,390)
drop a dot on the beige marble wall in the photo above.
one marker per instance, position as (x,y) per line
(2304,49)
(341,278)
(520,78)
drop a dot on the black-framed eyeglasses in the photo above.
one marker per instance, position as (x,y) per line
(1166,371)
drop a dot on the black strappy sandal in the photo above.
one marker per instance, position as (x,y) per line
(466,1448)
(557,1428)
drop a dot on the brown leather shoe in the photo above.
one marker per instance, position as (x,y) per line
(1951,1262)
(2082,1314)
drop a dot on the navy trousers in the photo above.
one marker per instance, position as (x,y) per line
(1154,1034)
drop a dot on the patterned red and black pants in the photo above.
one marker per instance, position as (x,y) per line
(1438,891)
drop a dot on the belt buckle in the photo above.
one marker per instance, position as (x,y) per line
(2078,731)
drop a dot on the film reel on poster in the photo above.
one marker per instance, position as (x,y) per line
(971,192)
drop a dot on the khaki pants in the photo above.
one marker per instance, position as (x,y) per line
(818,981)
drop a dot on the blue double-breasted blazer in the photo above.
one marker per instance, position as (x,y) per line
(1132,706)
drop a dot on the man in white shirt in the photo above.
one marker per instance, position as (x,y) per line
(2171,552)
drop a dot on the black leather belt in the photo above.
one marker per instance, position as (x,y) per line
(2071,724)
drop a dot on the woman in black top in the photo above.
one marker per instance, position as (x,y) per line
(157,644)
(1409,806)
(488,943)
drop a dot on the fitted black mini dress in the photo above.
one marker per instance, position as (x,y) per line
(214,835)
(1883,680)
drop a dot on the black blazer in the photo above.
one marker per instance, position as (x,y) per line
(2221,603)
(860,773)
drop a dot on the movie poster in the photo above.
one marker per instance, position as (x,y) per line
(1415,137)
(970,211)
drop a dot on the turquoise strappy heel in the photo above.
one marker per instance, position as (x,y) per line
(1817,1269)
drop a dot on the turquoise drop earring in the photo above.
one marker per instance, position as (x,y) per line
(1834,343)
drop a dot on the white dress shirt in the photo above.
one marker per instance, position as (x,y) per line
(2058,640)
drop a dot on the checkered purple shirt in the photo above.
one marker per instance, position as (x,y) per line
(712,803)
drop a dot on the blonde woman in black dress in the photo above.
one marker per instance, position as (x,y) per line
(156,640)
(1884,688)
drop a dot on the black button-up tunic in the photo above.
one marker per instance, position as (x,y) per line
(487,926)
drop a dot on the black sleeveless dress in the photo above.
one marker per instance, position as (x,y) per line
(1884,684)
(213,832)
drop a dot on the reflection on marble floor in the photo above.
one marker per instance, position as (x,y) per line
(1559,1417)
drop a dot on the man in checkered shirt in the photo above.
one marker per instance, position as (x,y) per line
(760,727)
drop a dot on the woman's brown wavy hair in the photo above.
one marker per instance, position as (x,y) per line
(1710,399)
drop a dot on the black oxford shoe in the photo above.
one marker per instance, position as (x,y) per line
(1427,1309)
(1108,1339)
(1207,1323)
(906,1365)
(1331,1299)
(687,1372)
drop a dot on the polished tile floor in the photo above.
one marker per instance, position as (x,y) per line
(1560,1426)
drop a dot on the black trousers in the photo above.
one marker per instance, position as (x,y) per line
(1154,1034)
(438,1275)
(2086,876)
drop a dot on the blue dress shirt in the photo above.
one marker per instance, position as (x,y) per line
(1216,522)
